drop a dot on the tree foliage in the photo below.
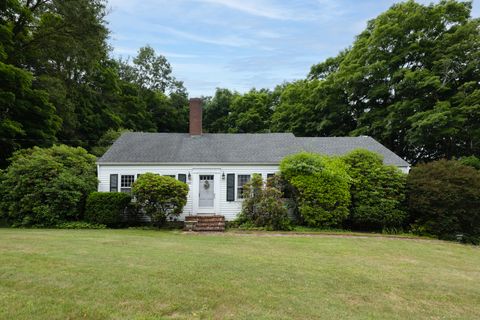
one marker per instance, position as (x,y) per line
(443,199)
(410,80)
(378,192)
(58,82)
(44,187)
(160,197)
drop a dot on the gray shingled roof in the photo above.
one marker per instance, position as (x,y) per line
(139,147)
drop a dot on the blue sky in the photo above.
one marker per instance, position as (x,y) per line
(240,44)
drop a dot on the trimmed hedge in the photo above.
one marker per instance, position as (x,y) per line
(106,207)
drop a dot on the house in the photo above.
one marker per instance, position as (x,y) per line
(215,166)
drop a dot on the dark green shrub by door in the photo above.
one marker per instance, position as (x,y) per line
(106,207)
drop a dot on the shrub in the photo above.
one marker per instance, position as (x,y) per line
(377,190)
(106,207)
(45,186)
(80,225)
(444,200)
(471,161)
(160,197)
(263,206)
(321,188)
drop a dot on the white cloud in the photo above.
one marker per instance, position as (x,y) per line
(256,8)
(231,40)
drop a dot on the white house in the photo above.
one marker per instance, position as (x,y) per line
(215,166)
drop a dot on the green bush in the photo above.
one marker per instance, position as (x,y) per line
(444,200)
(377,190)
(46,186)
(80,225)
(263,206)
(321,186)
(160,197)
(471,161)
(106,207)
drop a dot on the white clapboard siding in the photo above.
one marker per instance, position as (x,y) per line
(229,209)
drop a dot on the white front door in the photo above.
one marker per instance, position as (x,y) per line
(206,194)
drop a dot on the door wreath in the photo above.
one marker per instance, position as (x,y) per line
(206,185)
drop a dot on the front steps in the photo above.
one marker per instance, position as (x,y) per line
(204,223)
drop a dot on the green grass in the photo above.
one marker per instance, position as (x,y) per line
(140,274)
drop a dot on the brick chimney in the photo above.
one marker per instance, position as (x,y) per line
(195,117)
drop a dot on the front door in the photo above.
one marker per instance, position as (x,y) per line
(206,193)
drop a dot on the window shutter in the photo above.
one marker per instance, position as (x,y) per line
(114,183)
(182,177)
(230,187)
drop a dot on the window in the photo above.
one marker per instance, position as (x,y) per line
(270,175)
(169,175)
(126,182)
(114,183)
(182,177)
(241,180)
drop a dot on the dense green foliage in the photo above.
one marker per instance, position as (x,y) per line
(263,206)
(160,197)
(471,161)
(377,190)
(106,208)
(44,187)
(58,82)
(410,80)
(322,188)
(443,199)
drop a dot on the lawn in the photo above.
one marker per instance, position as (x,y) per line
(139,274)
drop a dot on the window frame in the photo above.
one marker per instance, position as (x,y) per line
(121,184)
(238,193)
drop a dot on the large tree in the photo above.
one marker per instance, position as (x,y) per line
(411,79)
(54,58)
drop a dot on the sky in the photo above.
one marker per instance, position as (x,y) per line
(240,44)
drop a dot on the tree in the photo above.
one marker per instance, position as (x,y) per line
(251,112)
(107,140)
(443,200)
(405,78)
(26,116)
(313,108)
(321,188)
(150,71)
(217,109)
(378,192)
(160,197)
(44,187)
(411,80)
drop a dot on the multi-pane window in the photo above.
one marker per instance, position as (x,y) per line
(241,180)
(126,182)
